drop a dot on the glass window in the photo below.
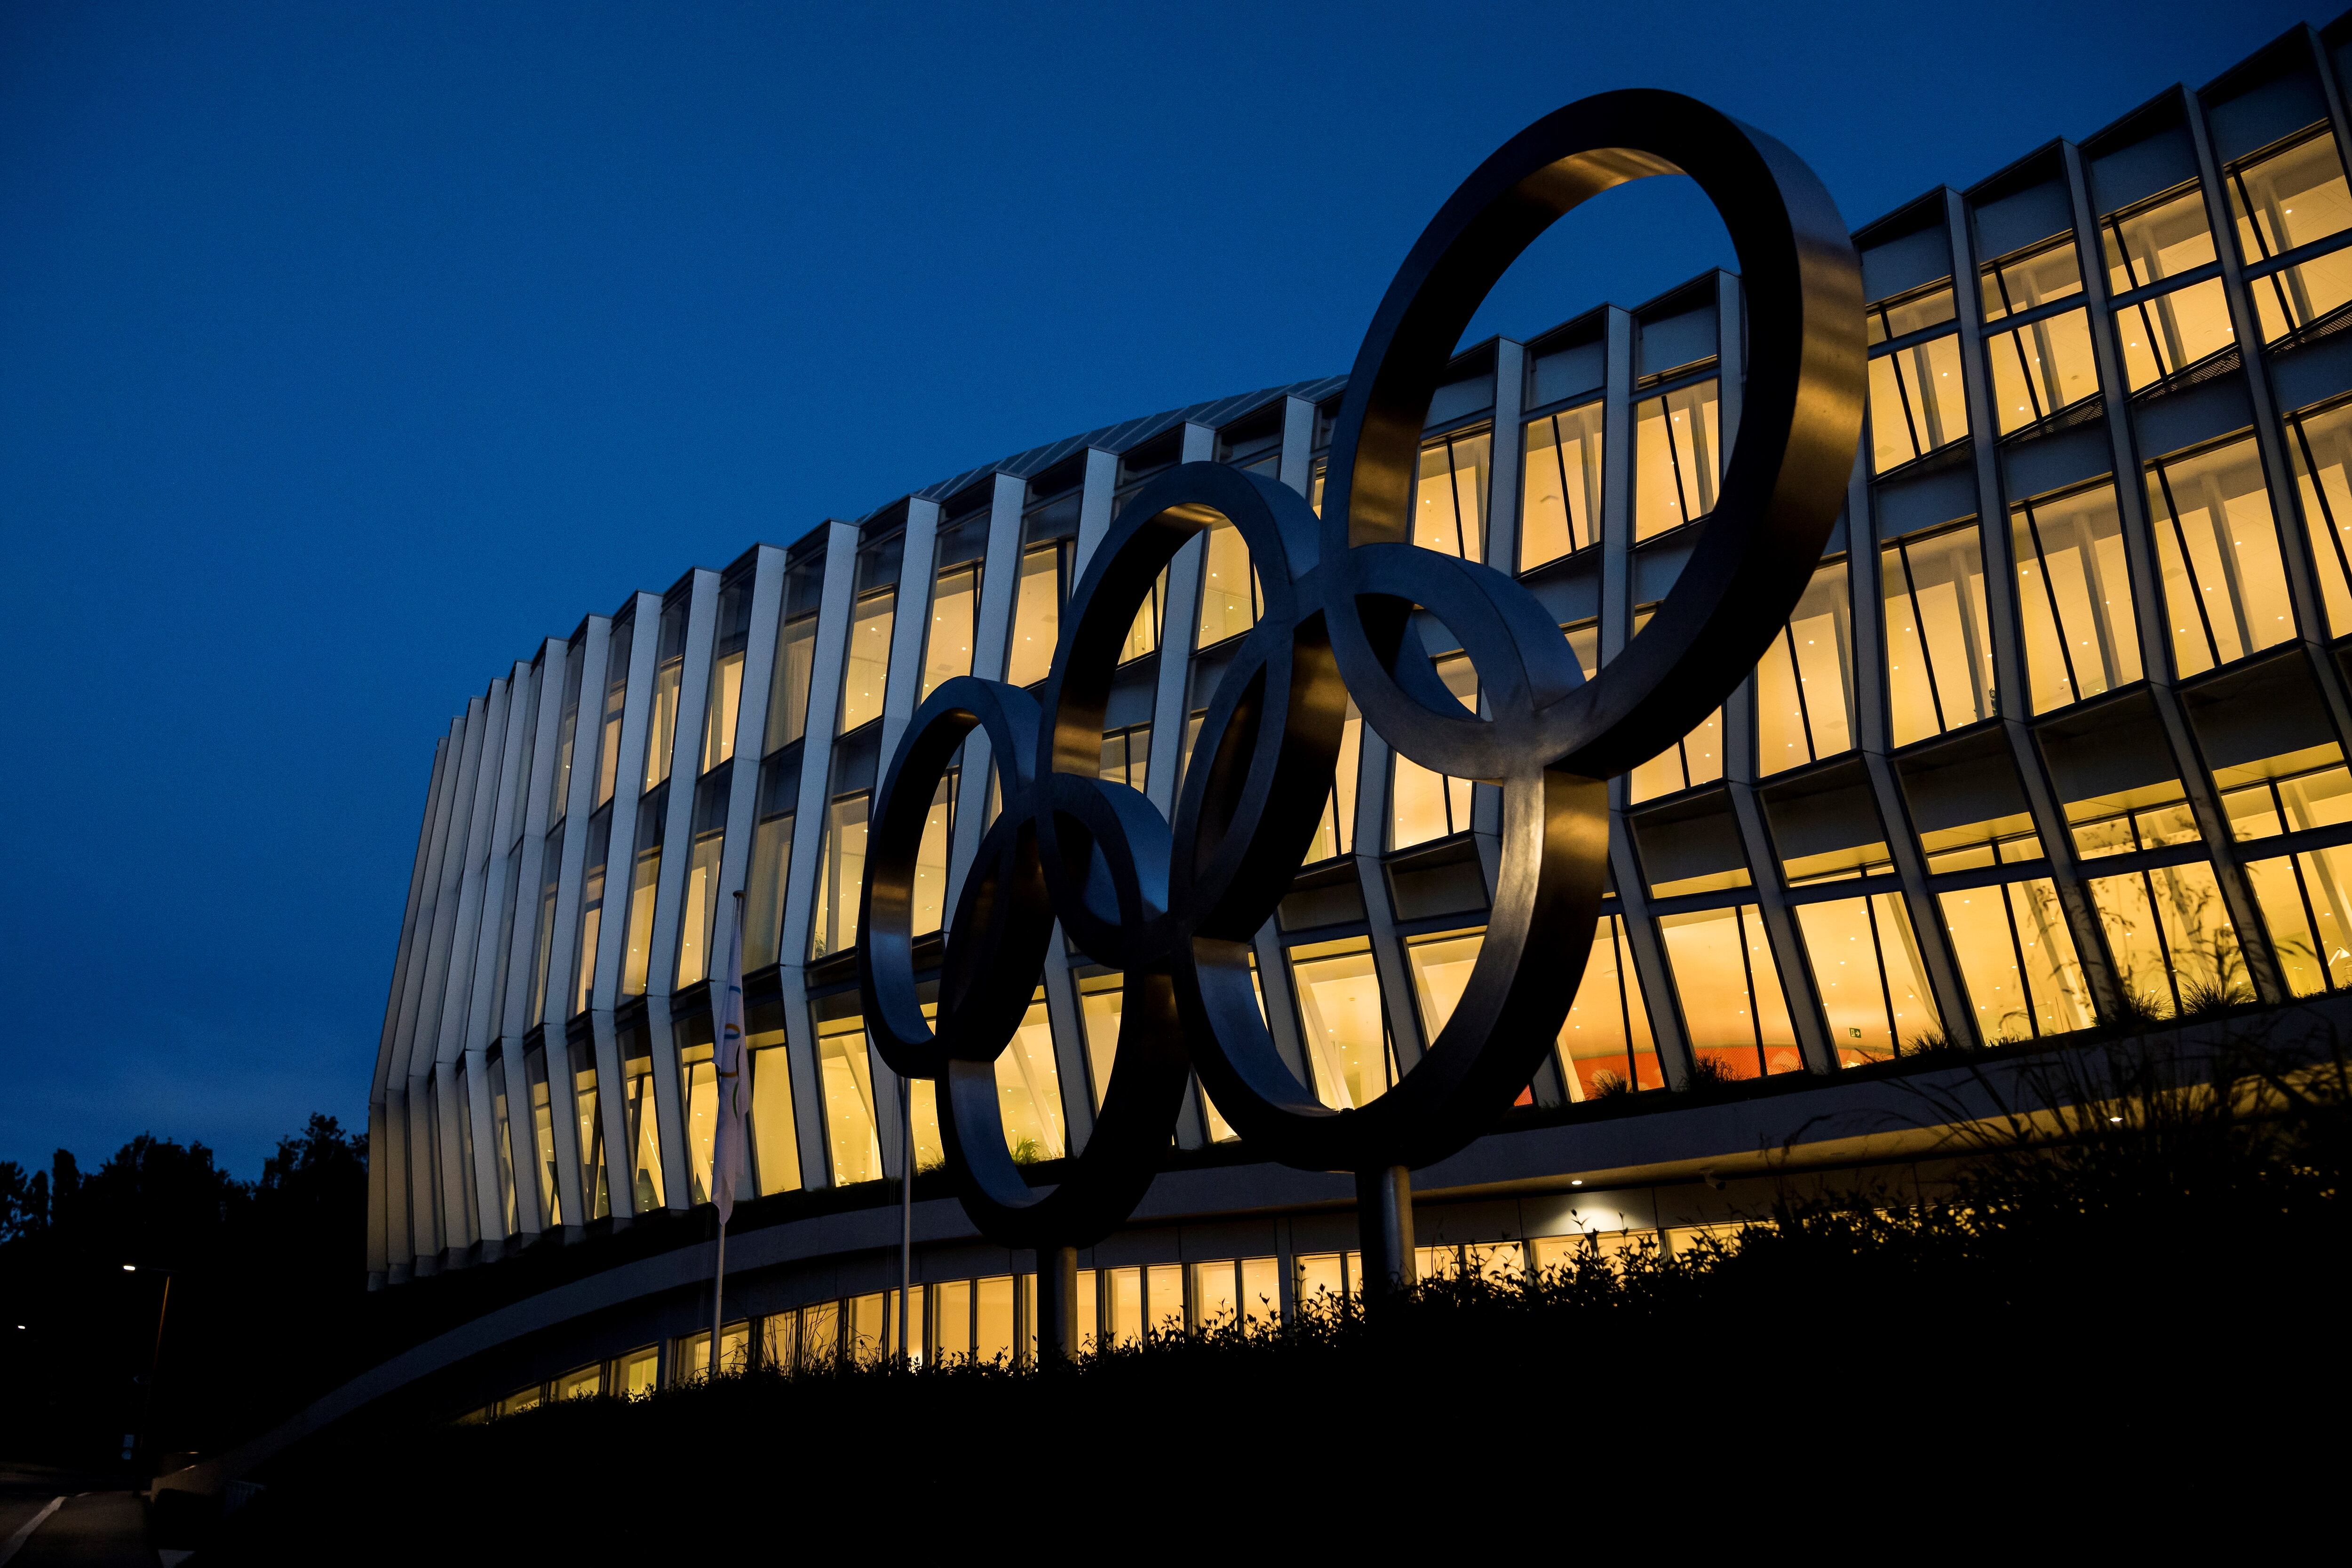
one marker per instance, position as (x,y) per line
(644,879)
(2305,906)
(2320,449)
(2171,936)
(1314,484)
(853,1133)
(1584,642)
(1335,833)
(931,901)
(592,925)
(1424,805)
(2023,282)
(820,1335)
(2161,240)
(931,1153)
(1231,597)
(2288,199)
(1872,979)
(1559,509)
(637,1372)
(567,734)
(2297,296)
(1677,459)
(1998,841)
(840,878)
(1449,513)
(2290,794)
(2018,960)
(775,1144)
(2074,597)
(587,1383)
(1605,1045)
(1126,756)
(1939,642)
(697,922)
(1029,1089)
(867,671)
(541,981)
(1917,402)
(1804,684)
(1216,1299)
(616,695)
(643,1133)
(2041,368)
(2224,584)
(1100,1000)
(593,1178)
(1441,966)
(955,602)
(1891,318)
(661,738)
(1037,614)
(992,1319)
(1143,634)
(724,710)
(1340,1018)
(699,1073)
(1730,994)
(542,1139)
(951,1319)
(764,905)
(788,689)
(2165,335)
(1695,759)
(502,1134)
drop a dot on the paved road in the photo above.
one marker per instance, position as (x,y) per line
(89,1529)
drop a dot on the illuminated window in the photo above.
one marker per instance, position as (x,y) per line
(636,960)
(644,1131)
(1695,759)
(951,1319)
(931,901)
(1340,1018)
(2165,335)
(2320,450)
(1873,981)
(1029,1089)
(1127,754)
(992,1319)
(2074,597)
(1939,643)
(788,688)
(2224,585)
(1038,612)
(2174,946)
(1334,832)
(698,926)
(585,1383)
(2023,282)
(1892,319)
(1917,403)
(724,709)
(931,1153)
(840,878)
(2294,793)
(763,904)
(502,1133)
(1998,841)
(567,734)
(1730,993)
(541,981)
(867,671)
(853,1133)
(592,925)
(2042,369)
(946,649)
(592,1178)
(1441,968)
(1143,633)
(1449,512)
(1804,684)
(616,695)
(2160,240)
(775,1140)
(661,735)
(2306,908)
(734,1353)
(542,1138)
(1425,805)
(2153,816)
(2288,199)
(1315,484)
(1677,459)
(1560,507)
(1230,596)
(1584,642)
(1605,1045)
(700,1077)
(2018,960)
(1100,1001)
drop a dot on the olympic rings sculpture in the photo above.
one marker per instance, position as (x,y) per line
(1174,906)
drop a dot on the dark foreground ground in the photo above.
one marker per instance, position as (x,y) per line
(2135,1332)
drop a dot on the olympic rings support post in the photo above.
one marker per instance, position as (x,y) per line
(1174,906)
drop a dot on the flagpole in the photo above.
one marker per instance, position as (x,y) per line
(906,1212)
(718,1301)
(729,1063)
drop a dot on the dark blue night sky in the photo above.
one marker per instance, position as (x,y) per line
(347,351)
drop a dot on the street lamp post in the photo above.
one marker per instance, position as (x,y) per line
(154,1363)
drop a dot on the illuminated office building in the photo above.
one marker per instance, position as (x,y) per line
(2058,734)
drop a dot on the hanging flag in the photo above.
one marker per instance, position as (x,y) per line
(729,1167)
